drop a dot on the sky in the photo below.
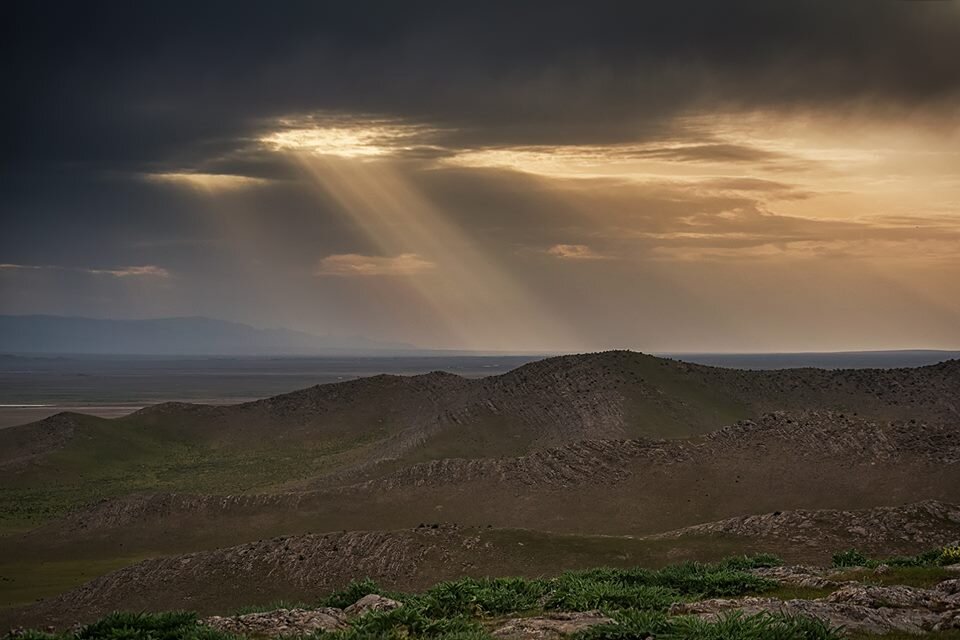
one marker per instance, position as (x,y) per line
(663,176)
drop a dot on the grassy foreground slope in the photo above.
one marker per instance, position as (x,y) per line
(297,567)
(444,609)
(590,604)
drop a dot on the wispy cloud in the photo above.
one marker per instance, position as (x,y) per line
(574,252)
(210,182)
(354,264)
(140,271)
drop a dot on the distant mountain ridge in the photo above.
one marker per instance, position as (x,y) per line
(886,359)
(36,334)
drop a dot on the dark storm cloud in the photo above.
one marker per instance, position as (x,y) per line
(146,86)
(599,147)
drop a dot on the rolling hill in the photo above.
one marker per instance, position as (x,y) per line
(614,444)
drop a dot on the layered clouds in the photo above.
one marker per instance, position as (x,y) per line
(715,176)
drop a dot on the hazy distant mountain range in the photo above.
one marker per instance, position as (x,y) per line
(201,336)
(170,336)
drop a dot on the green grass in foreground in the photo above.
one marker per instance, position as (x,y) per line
(460,609)
(637,600)
(605,588)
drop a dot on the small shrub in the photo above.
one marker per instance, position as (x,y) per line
(576,593)
(950,554)
(850,558)
(926,559)
(351,593)
(711,580)
(474,597)
(409,620)
(176,625)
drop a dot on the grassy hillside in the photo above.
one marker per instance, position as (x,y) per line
(111,458)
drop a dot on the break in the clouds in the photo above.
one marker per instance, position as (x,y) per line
(705,176)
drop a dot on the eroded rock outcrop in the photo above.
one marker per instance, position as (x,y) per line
(280,622)
(369,603)
(555,625)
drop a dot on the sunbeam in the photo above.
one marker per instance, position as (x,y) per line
(477,301)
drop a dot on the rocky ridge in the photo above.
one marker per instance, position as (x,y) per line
(930,523)
(807,435)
